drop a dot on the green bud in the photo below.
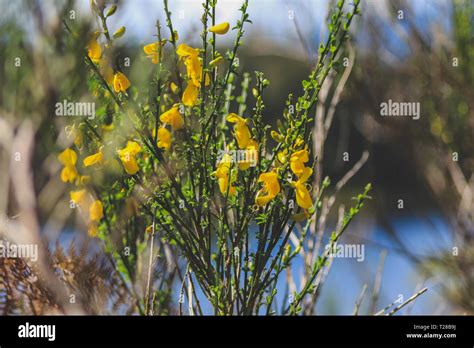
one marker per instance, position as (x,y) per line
(119,33)
(111,10)
(215,62)
(175,36)
(277,136)
(298,249)
(286,255)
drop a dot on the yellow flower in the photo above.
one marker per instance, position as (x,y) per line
(193,64)
(94,51)
(173,118)
(92,229)
(78,197)
(307,172)
(298,160)
(241,130)
(174,88)
(220,29)
(127,156)
(282,156)
(68,159)
(190,94)
(94,159)
(303,197)
(184,51)
(164,138)
(69,174)
(223,172)
(96,211)
(121,82)
(271,188)
(251,155)
(194,69)
(153,51)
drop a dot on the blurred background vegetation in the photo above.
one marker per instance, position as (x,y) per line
(423,54)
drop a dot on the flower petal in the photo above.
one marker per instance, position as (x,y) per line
(220,29)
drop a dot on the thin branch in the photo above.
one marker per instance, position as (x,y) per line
(378,281)
(411,299)
(360,299)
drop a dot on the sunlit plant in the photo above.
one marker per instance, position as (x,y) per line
(190,162)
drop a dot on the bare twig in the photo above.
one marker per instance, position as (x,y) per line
(377,282)
(413,298)
(148,311)
(360,299)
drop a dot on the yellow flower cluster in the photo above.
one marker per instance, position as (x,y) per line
(117,79)
(172,120)
(85,201)
(241,130)
(192,61)
(175,120)
(297,165)
(243,136)
(270,182)
(152,51)
(224,177)
(128,157)
(244,140)
(68,158)
(194,73)
(82,197)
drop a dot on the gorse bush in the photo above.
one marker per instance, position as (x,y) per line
(185,165)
